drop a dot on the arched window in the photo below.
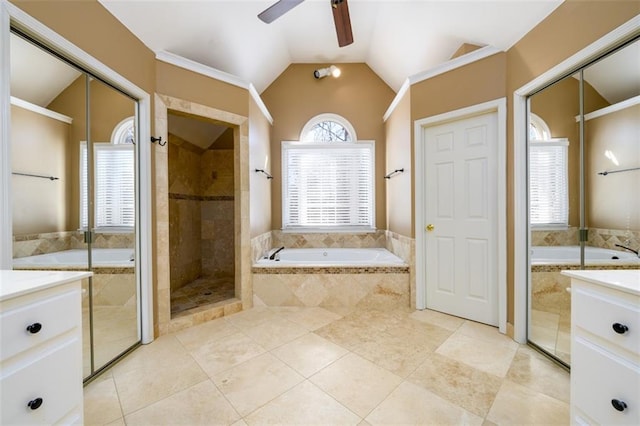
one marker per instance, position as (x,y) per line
(328,128)
(327,179)
(114,183)
(548,176)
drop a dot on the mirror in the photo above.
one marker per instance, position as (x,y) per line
(600,196)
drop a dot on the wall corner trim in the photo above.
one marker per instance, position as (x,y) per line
(188,64)
(258,100)
(394,103)
(458,62)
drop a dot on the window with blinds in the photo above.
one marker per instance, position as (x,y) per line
(328,186)
(114,187)
(548,182)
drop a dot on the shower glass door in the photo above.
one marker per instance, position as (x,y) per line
(584,175)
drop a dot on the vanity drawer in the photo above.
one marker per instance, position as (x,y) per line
(597,378)
(599,313)
(53,377)
(45,319)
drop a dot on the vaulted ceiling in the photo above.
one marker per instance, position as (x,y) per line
(395,38)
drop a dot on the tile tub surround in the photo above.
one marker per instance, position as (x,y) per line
(34,244)
(317,366)
(328,240)
(344,287)
(598,237)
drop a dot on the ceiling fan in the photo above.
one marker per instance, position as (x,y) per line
(340,10)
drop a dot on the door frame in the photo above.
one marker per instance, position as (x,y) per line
(521,241)
(498,106)
(11,13)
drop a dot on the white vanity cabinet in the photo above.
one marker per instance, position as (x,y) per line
(41,347)
(605,347)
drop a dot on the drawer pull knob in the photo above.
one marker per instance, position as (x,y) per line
(34,404)
(618,405)
(34,328)
(620,328)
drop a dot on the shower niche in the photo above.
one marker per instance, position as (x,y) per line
(201,212)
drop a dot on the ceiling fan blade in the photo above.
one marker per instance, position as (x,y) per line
(277,9)
(342,21)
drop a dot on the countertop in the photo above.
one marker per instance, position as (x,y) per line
(627,280)
(17,283)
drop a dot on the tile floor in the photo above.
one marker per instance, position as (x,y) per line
(317,366)
(201,292)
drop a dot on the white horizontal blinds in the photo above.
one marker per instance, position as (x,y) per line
(84,193)
(115,194)
(548,182)
(328,185)
(114,185)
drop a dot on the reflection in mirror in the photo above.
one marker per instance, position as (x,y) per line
(49,129)
(609,207)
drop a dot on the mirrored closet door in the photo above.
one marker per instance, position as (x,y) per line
(583,175)
(74,191)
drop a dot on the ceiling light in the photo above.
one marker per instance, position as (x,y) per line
(323,72)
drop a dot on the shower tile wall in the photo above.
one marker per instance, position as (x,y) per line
(184,212)
(201,212)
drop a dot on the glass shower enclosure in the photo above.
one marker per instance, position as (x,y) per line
(584,186)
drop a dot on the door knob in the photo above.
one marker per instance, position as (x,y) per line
(429,227)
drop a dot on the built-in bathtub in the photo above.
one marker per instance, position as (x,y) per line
(570,255)
(332,277)
(113,281)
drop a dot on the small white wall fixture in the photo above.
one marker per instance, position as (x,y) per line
(522,244)
(498,106)
(10,14)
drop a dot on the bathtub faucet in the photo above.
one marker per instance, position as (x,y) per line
(273,255)
(637,252)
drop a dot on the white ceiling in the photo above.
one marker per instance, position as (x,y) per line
(395,38)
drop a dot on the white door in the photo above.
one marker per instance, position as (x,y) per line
(461,214)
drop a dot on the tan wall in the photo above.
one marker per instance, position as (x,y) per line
(39,205)
(399,155)
(108,108)
(571,27)
(184,84)
(259,158)
(613,201)
(558,106)
(358,95)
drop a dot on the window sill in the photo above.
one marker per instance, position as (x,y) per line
(329,230)
(549,227)
(113,230)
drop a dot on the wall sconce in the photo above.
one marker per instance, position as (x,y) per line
(323,72)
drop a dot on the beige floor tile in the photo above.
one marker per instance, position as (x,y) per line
(201,404)
(164,351)
(309,353)
(305,404)
(533,370)
(275,332)
(517,404)
(118,422)
(486,333)
(481,354)
(445,321)
(147,385)
(359,327)
(240,422)
(252,384)
(251,317)
(347,378)
(410,404)
(400,350)
(101,403)
(458,383)
(211,331)
(544,337)
(234,349)
(311,318)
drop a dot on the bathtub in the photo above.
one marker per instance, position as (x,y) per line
(77,258)
(570,255)
(333,277)
(331,257)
